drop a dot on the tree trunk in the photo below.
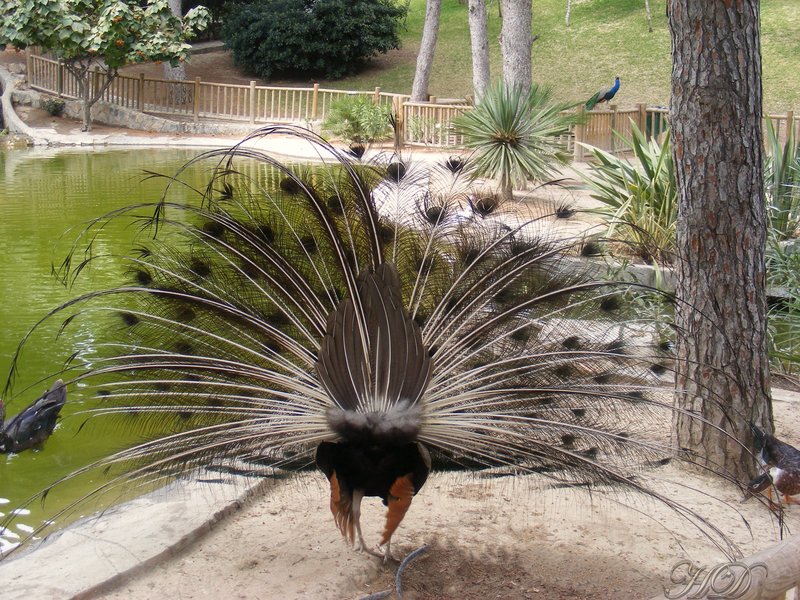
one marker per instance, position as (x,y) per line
(80,70)
(87,105)
(178,93)
(479,36)
(90,90)
(515,43)
(649,16)
(721,232)
(569,10)
(427,47)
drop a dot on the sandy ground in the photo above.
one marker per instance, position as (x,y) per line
(505,538)
(500,538)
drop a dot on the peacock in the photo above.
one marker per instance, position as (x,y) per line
(376,319)
(604,95)
(31,426)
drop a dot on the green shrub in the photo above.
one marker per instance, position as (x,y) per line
(53,106)
(357,119)
(782,184)
(783,273)
(321,38)
(640,200)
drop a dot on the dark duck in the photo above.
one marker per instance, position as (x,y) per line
(34,424)
(781,463)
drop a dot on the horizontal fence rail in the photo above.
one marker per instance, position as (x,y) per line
(418,123)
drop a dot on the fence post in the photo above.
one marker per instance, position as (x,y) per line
(196,107)
(613,108)
(789,123)
(399,120)
(29,64)
(314,96)
(643,120)
(432,99)
(580,133)
(59,78)
(140,99)
(376,98)
(252,101)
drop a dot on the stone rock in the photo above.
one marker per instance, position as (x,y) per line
(17,68)
(14,140)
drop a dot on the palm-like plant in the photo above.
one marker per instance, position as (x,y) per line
(517,136)
(782,184)
(639,200)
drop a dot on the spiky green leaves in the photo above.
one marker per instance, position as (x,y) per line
(517,136)
(640,201)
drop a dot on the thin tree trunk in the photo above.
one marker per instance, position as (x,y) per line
(178,92)
(515,43)
(479,37)
(427,48)
(721,232)
(569,10)
(87,105)
(89,90)
(79,69)
(649,16)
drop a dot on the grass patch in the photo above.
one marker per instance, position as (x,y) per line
(606,38)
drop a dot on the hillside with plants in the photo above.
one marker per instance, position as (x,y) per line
(606,38)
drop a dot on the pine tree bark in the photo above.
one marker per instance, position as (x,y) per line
(427,48)
(515,43)
(716,121)
(479,38)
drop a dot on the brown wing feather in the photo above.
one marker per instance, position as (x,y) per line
(396,365)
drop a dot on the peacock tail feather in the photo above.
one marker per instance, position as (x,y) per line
(225,342)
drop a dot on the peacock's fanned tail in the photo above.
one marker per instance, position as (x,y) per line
(486,333)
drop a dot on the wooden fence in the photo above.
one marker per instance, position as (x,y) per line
(419,123)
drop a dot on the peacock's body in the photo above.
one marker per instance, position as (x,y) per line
(604,95)
(377,319)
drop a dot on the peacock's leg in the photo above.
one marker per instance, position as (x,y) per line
(358,496)
(400,495)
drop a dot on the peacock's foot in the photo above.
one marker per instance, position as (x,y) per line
(361,546)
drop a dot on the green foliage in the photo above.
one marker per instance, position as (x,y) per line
(106,34)
(783,264)
(784,337)
(115,32)
(357,119)
(216,12)
(782,184)
(328,38)
(640,201)
(53,106)
(516,136)
(782,190)
(783,275)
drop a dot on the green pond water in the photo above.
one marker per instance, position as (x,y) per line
(45,198)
